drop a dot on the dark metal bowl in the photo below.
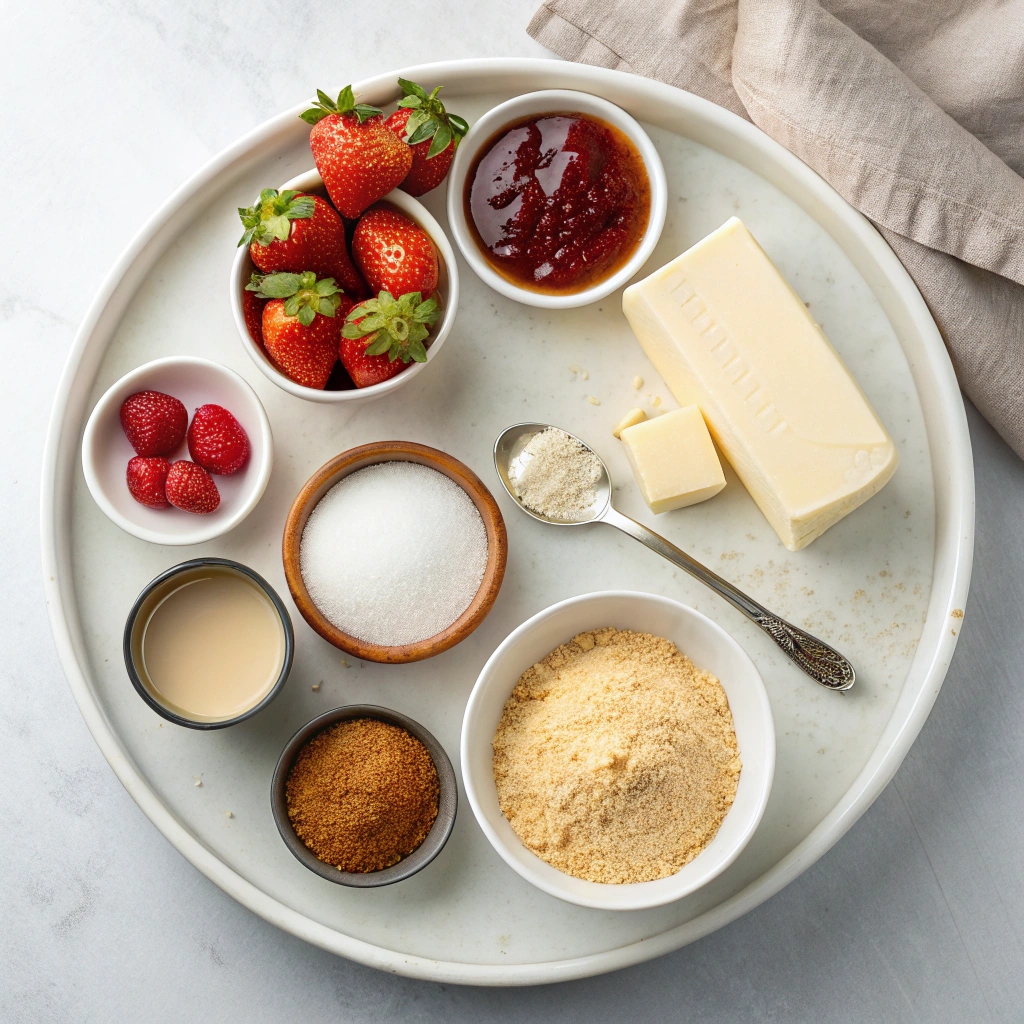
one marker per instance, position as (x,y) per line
(132,644)
(447,803)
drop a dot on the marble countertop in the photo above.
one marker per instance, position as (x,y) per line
(914,915)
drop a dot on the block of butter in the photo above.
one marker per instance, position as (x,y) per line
(727,333)
(673,459)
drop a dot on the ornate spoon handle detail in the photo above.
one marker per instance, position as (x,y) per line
(822,663)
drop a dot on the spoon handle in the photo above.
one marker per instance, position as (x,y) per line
(822,663)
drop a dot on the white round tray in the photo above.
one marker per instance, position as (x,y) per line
(887,585)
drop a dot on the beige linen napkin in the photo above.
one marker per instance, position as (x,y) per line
(911,109)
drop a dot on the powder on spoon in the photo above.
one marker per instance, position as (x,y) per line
(393,553)
(555,475)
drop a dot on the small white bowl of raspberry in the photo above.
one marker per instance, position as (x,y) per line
(195,383)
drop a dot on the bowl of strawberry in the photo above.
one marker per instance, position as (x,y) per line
(178,451)
(344,286)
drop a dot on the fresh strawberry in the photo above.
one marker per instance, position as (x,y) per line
(252,310)
(291,231)
(365,370)
(383,335)
(301,324)
(153,422)
(304,353)
(216,440)
(431,132)
(357,155)
(394,253)
(190,488)
(147,477)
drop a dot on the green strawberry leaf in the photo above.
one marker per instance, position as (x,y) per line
(304,296)
(427,312)
(380,344)
(417,332)
(364,111)
(345,104)
(416,119)
(423,132)
(270,216)
(394,326)
(372,323)
(363,309)
(442,137)
(279,226)
(412,89)
(278,286)
(429,119)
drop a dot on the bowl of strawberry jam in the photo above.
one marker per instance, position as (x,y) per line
(557,198)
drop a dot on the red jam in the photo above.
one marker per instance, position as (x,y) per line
(558,202)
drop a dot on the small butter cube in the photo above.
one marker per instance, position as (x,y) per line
(631,418)
(674,460)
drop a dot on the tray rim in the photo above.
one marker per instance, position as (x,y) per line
(953,475)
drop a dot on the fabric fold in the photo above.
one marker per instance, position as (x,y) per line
(846,110)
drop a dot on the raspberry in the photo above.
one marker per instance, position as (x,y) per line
(190,488)
(216,440)
(147,477)
(153,422)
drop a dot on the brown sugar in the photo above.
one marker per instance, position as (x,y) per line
(362,794)
(615,758)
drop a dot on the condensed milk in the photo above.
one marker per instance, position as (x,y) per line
(208,643)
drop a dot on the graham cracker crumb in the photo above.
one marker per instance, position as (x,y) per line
(615,758)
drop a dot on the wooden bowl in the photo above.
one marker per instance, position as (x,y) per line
(368,455)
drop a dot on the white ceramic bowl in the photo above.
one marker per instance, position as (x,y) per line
(546,102)
(106,451)
(709,647)
(447,287)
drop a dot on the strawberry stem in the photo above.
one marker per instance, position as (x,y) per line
(344,104)
(397,327)
(429,119)
(304,295)
(271,215)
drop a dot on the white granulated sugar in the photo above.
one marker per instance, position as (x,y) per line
(393,553)
(555,475)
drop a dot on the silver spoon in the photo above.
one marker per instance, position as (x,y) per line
(822,663)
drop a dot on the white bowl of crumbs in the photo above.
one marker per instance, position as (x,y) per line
(618,750)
